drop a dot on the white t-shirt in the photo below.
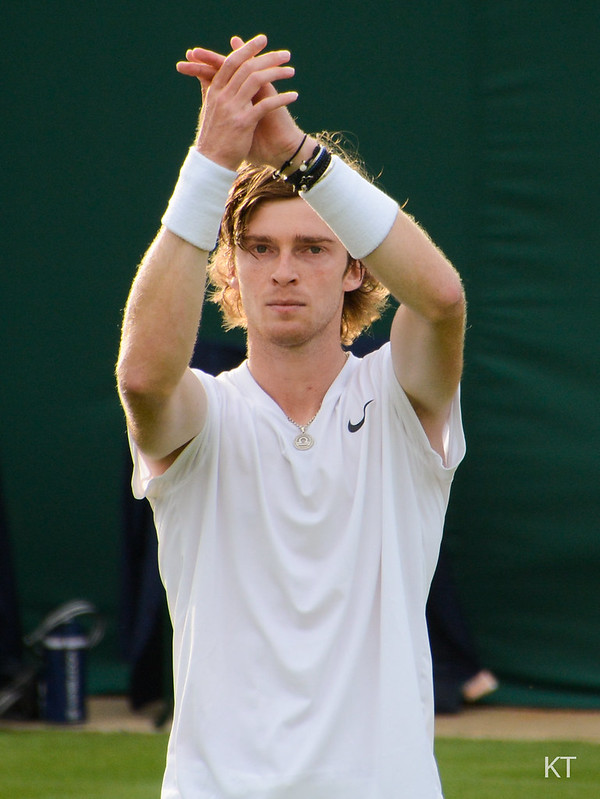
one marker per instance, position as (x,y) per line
(297,584)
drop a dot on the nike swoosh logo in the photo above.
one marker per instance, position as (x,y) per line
(354,428)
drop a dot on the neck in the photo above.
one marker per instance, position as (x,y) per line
(297,378)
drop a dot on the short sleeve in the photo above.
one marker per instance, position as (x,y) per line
(454,438)
(144,485)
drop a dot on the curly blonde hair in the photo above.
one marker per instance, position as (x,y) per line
(253,186)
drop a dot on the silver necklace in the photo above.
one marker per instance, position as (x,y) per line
(303,440)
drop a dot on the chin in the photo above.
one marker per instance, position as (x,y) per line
(289,339)
(287,335)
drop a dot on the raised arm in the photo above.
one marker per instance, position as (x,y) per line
(427,335)
(164,403)
(428,329)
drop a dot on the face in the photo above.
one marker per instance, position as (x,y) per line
(292,273)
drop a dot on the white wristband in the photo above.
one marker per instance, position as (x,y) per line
(359,213)
(196,206)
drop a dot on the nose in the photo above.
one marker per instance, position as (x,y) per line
(284,271)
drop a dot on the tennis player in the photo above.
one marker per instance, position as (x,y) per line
(299,499)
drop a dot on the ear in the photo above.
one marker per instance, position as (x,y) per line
(354,274)
(232,279)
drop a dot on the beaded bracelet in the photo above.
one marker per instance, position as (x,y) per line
(311,170)
(284,166)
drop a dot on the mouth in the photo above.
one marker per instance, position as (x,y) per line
(285,304)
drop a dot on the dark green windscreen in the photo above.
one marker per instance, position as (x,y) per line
(485,117)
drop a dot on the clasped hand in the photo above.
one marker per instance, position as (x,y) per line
(243,117)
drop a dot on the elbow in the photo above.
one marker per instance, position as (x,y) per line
(450,304)
(456,302)
(142,405)
(136,385)
(129,379)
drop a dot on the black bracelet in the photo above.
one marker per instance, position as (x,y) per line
(277,173)
(311,170)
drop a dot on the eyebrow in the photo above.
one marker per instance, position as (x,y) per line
(300,239)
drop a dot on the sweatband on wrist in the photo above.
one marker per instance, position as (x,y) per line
(359,213)
(196,206)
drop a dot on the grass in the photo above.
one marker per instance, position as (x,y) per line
(482,769)
(75,765)
(58,764)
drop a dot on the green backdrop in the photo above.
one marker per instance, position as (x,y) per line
(484,116)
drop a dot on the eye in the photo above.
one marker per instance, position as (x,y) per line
(314,249)
(260,249)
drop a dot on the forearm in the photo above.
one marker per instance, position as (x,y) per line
(164,307)
(416,272)
(161,317)
(163,311)
(393,247)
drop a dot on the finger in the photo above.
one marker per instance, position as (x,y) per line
(272,103)
(251,90)
(258,71)
(201,71)
(238,57)
(236,42)
(204,56)
(200,56)
(210,56)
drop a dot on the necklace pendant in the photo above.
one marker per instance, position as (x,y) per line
(303,441)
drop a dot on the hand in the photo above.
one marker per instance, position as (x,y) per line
(233,104)
(275,135)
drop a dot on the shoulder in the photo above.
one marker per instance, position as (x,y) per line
(229,383)
(375,367)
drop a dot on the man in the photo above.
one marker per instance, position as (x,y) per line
(299,499)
